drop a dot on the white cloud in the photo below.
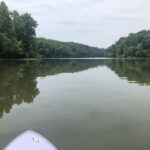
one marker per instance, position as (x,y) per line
(93,22)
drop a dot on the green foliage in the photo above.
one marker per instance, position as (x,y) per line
(24,27)
(55,49)
(5,20)
(17,34)
(135,45)
(9,47)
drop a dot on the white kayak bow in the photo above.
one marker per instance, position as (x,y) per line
(30,140)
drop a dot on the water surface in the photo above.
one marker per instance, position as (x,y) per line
(77,104)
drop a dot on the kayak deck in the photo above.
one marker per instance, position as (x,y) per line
(30,140)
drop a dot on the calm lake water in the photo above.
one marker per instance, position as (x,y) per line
(83,104)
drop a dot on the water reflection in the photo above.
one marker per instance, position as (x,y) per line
(57,66)
(133,70)
(86,107)
(18,78)
(17,84)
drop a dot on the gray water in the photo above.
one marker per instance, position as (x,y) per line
(89,104)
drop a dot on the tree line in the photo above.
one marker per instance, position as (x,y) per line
(18,39)
(56,49)
(17,34)
(135,45)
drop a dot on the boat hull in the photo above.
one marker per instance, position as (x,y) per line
(30,140)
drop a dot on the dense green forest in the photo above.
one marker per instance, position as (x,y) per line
(135,45)
(55,49)
(17,34)
(18,39)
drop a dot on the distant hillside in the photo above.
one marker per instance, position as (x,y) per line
(135,45)
(55,49)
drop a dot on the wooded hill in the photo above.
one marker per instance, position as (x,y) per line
(56,49)
(135,45)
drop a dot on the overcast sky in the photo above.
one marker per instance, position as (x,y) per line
(94,22)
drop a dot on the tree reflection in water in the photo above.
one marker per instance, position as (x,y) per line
(18,78)
(18,82)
